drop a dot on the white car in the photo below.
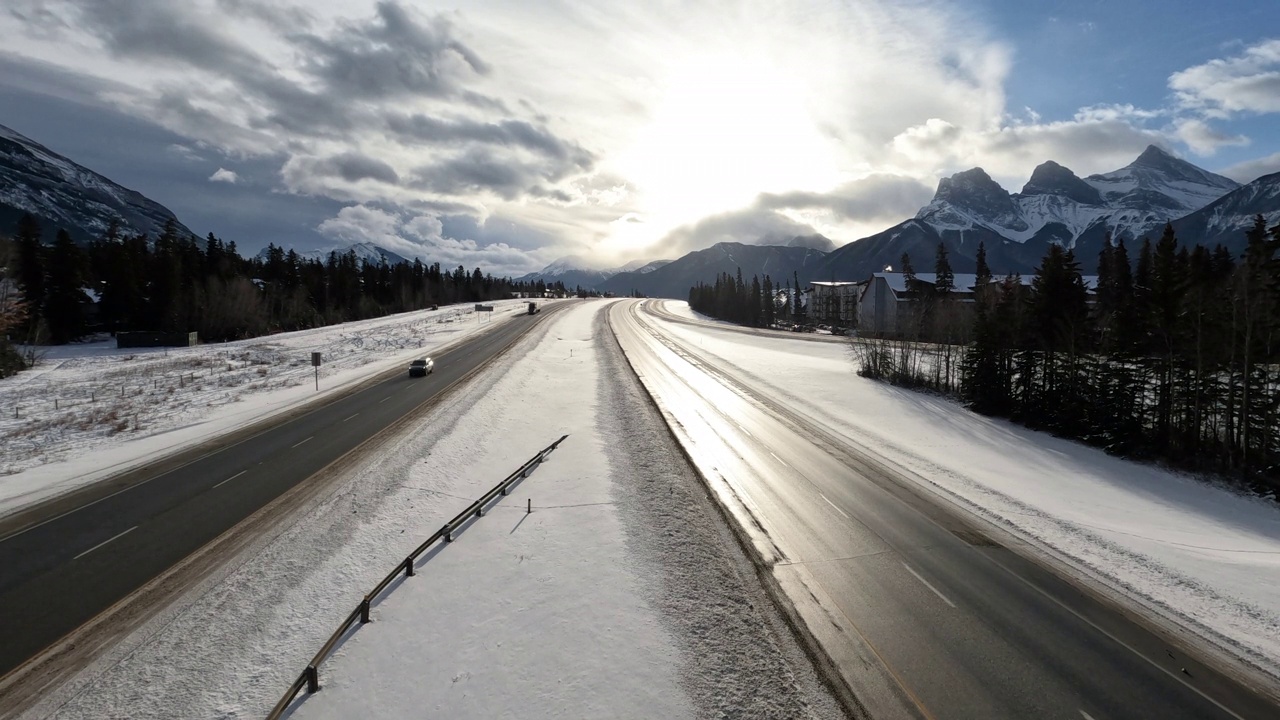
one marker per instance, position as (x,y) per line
(422,367)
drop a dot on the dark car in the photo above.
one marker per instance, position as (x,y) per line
(421,367)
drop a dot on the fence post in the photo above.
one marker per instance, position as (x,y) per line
(364,610)
(313,678)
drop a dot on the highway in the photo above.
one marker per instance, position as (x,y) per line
(924,612)
(74,558)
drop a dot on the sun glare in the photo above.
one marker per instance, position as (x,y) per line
(726,130)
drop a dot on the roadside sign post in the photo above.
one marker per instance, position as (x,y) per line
(315,362)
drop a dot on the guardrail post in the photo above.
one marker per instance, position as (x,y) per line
(408,567)
(364,610)
(448,534)
(480,511)
(503,490)
(313,679)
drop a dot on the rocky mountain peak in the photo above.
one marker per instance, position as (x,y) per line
(1050,178)
(1155,164)
(974,190)
(816,241)
(61,194)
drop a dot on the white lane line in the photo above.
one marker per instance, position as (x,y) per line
(824,497)
(748,432)
(346,419)
(104,542)
(385,399)
(775,457)
(233,477)
(307,440)
(1086,715)
(1118,641)
(926,584)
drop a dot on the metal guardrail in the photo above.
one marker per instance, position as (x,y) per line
(310,676)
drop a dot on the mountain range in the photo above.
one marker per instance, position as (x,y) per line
(674,279)
(61,194)
(1055,206)
(365,251)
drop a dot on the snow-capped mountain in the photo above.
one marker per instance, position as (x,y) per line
(364,251)
(1227,219)
(61,194)
(673,279)
(576,271)
(1055,206)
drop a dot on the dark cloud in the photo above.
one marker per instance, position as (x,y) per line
(282,18)
(405,80)
(876,197)
(398,54)
(349,166)
(143,156)
(420,128)
(753,226)
(162,30)
(476,170)
(42,21)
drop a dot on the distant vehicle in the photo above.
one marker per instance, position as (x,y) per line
(422,367)
(533,308)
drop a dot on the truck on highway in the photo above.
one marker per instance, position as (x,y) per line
(533,308)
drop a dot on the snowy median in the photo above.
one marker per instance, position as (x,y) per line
(620,595)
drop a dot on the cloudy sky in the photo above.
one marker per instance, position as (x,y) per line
(508,133)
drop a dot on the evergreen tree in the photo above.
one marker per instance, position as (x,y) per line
(30,275)
(945,280)
(64,297)
(982,273)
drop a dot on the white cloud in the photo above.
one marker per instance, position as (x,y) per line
(225,175)
(1204,139)
(421,236)
(1092,142)
(1248,82)
(1251,170)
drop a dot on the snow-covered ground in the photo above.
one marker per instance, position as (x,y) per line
(90,410)
(1199,554)
(620,595)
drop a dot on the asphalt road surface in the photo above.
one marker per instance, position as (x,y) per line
(95,547)
(925,614)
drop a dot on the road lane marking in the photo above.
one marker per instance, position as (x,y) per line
(1086,715)
(748,432)
(104,542)
(233,477)
(346,419)
(1118,641)
(926,584)
(837,509)
(307,440)
(385,399)
(775,457)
